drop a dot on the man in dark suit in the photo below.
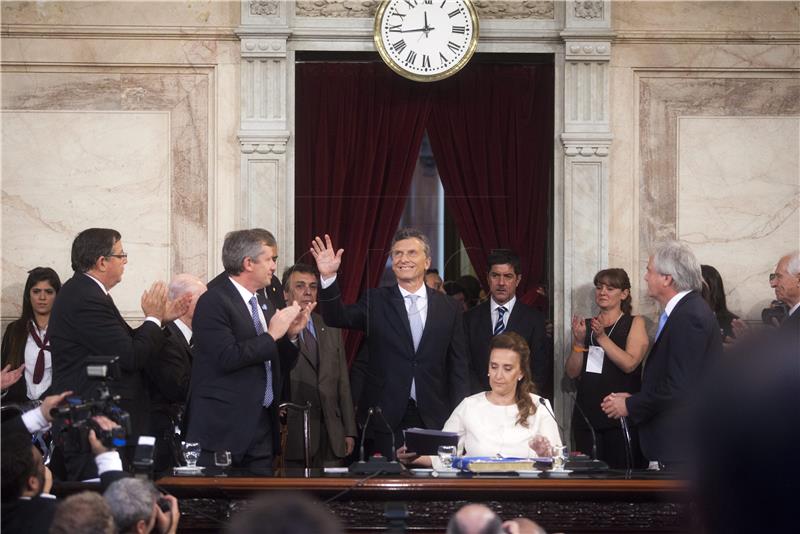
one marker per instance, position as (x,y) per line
(85,322)
(502,312)
(320,377)
(237,366)
(786,283)
(687,342)
(168,382)
(418,369)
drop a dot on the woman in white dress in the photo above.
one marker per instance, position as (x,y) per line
(510,420)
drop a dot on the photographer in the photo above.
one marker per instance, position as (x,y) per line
(138,507)
(27,505)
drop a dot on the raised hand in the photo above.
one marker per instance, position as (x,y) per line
(280,322)
(177,307)
(578,329)
(301,320)
(154,301)
(50,402)
(9,376)
(328,261)
(597,328)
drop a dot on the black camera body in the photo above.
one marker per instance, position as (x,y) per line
(76,415)
(776,310)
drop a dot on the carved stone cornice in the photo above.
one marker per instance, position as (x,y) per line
(264,8)
(273,143)
(264,46)
(588,51)
(587,10)
(487,9)
(586,145)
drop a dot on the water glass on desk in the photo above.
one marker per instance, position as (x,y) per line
(446,454)
(222,459)
(559,457)
(191,453)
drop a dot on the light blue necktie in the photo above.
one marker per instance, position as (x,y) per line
(661,321)
(415,321)
(500,326)
(268,395)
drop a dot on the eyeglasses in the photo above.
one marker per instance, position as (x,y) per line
(122,256)
(773,276)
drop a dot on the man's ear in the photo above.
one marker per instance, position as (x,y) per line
(34,484)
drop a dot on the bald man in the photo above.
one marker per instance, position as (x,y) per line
(475,519)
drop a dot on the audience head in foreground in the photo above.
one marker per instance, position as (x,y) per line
(83,513)
(134,505)
(289,513)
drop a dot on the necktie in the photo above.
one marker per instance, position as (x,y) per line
(268,395)
(415,321)
(311,343)
(38,370)
(661,321)
(499,326)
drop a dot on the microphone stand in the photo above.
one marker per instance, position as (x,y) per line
(588,424)
(626,433)
(376,464)
(306,432)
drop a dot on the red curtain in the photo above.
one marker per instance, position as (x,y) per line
(491,131)
(359,129)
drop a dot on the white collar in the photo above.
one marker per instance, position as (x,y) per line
(98,282)
(794,308)
(243,291)
(422,292)
(674,302)
(185,330)
(508,305)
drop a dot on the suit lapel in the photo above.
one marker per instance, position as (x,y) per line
(433,308)
(90,283)
(305,351)
(238,304)
(399,306)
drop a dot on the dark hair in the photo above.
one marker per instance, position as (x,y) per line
(503,256)
(432,270)
(616,278)
(16,463)
(241,244)
(452,287)
(409,233)
(287,513)
(515,343)
(85,512)
(297,268)
(91,244)
(714,294)
(472,288)
(18,336)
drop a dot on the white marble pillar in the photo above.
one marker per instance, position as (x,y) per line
(586,138)
(265,196)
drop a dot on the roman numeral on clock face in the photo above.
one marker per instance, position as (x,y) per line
(459,29)
(426,61)
(411,57)
(399,46)
(452,46)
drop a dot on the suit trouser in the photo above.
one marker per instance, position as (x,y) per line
(257,457)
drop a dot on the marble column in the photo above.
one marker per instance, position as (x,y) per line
(585,139)
(265,194)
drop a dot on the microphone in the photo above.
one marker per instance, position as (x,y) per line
(391,432)
(576,463)
(560,428)
(364,433)
(585,420)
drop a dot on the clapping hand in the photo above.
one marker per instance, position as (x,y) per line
(282,320)
(9,376)
(578,329)
(597,329)
(301,320)
(328,261)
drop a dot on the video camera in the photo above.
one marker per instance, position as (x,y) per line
(76,415)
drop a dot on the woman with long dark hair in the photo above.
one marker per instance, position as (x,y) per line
(714,293)
(606,356)
(26,342)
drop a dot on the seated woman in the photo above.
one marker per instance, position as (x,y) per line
(509,420)
(606,356)
(26,345)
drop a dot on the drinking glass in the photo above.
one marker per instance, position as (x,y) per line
(222,459)
(559,457)
(446,454)
(191,453)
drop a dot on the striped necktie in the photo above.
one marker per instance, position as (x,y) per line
(500,326)
(268,394)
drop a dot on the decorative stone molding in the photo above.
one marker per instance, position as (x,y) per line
(587,10)
(275,143)
(586,145)
(588,51)
(264,47)
(263,7)
(487,9)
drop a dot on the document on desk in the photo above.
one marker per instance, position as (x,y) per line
(427,442)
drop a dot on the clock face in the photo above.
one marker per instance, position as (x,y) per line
(426,40)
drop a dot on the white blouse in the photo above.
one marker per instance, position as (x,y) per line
(486,429)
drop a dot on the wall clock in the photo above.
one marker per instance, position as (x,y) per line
(426,40)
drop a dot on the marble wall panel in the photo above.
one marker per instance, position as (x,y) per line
(94,174)
(664,98)
(739,192)
(182,95)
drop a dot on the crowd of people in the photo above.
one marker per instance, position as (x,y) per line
(219,363)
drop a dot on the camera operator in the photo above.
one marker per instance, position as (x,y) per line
(138,507)
(27,505)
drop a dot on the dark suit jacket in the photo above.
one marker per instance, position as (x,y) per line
(18,393)
(440,365)
(28,516)
(689,343)
(85,322)
(526,321)
(327,386)
(228,374)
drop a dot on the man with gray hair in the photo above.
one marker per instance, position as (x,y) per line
(135,506)
(168,381)
(786,283)
(237,369)
(687,341)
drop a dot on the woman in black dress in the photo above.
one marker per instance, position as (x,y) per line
(26,345)
(714,293)
(607,356)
